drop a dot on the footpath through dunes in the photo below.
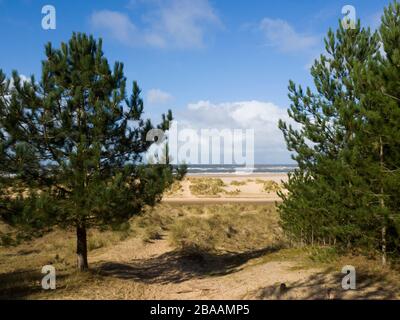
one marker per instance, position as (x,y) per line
(258,188)
(164,273)
(158,271)
(224,251)
(161,272)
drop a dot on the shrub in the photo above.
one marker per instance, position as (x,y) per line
(271,186)
(206,187)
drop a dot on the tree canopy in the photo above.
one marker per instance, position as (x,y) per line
(78,140)
(346,142)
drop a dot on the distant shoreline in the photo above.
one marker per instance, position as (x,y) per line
(266,175)
(235,170)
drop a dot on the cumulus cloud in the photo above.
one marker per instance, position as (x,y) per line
(262,117)
(157,96)
(170,23)
(281,35)
(11,84)
(118,25)
(23,78)
(254,114)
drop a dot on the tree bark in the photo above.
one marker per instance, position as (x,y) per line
(81,248)
(383,245)
(382,203)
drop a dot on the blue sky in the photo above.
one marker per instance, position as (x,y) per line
(211,62)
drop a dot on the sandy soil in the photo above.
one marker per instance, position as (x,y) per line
(168,276)
(156,271)
(135,269)
(251,191)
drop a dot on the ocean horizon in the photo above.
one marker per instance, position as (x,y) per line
(203,169)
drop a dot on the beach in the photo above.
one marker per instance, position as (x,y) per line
(234,188)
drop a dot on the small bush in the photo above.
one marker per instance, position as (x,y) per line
(206,187)
(271,186)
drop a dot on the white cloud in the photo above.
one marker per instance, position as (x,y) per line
(254,114)
(118,25)
(23,79)
(11,85)
(261,116)
(157,96)
(170,23)
(281,35)
(183,22)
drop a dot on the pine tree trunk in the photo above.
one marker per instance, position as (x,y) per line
(81,248)
(384,245)
(382,203)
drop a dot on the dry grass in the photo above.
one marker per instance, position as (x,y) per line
(206,187)
(238,183)
(228,228)
(233,192)
(260,181)
(20,265)
(271,186)
(240,231)
(175,189)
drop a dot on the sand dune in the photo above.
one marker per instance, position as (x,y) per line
(237,188)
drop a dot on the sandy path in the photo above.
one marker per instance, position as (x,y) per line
(156,271)
(270,199)
(166,275)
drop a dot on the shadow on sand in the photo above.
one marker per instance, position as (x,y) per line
(327,285)
(177,266)
(21,284)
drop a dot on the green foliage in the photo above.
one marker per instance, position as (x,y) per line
(75,141)
(347,142)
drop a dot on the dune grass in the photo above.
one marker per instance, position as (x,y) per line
(238,183)
(206,187)
(213,230)
(228,228)
(232,193)
(175,189)
(271,186)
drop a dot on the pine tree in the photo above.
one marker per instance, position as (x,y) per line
(86,140)
(12,157)
(165,157)
(320,193)
(4,163)
(165,125)
(378,140)
(347,147)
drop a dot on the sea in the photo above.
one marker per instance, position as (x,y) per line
(204,169)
